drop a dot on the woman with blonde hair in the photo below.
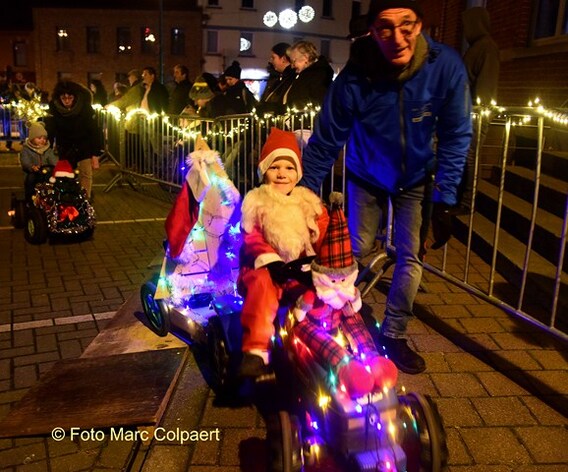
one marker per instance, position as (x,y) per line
(313,76)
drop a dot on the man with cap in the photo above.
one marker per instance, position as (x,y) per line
(240,98)
(281,77)
(398,89)
(280,223)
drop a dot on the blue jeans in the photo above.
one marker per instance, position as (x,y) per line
(366,206)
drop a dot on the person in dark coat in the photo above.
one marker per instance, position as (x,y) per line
(282,76)
(481,61)
(71,123)
(238,95)
(179,96)
(156,97)
(313,76)
(99,92)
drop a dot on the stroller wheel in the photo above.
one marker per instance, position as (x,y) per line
(218,355)
(424,438)
(35,229)
(19,215)
(284,441)
(156,311)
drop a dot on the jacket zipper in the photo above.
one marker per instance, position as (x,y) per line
(402,130)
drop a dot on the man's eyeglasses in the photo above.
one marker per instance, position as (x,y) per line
(406,28)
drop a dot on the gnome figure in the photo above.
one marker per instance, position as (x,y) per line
(334,307)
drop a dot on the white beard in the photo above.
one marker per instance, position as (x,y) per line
(337,294)
(288,222)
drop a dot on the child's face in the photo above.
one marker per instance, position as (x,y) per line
(39,141)
(281,176)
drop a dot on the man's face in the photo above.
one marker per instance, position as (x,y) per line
(67,100)
(147,77)
(279,63)
(231,81)
(282,176)
(395,31)
(178,75)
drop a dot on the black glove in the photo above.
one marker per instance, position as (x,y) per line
(278,271)
(441,224)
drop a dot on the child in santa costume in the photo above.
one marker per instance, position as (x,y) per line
(280,223)
(334,306)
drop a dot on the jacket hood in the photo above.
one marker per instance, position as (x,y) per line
(322,65)
(476,23)
(83,98)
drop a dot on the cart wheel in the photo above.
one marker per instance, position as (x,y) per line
(284,441)
(218,355)
(35,229)
(19,216)
(156,311)
(424,438)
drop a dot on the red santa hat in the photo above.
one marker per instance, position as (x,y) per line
(62,169)
(280,145)
(335,257)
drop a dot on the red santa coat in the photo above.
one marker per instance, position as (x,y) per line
(275,227)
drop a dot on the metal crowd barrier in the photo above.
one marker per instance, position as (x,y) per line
(151,152)
(13,128)
(511,185)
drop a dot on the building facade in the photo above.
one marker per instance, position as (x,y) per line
(246,30)
(81,44)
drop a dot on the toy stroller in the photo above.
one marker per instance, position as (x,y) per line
(58,207)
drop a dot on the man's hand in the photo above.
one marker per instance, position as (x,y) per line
(441,224)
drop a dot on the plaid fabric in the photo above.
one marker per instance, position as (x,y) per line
(325,349)
(336,252)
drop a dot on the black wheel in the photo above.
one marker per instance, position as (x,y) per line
(219,359)
(35,229)
(19,216)
(284,442)
(156,311)
(424,438)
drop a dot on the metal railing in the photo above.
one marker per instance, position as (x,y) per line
(520,236)
(152,150)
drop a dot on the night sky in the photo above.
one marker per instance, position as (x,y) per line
(15,14)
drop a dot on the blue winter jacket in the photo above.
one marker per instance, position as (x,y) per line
(390,125)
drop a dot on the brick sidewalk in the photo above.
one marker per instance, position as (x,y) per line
(478,359)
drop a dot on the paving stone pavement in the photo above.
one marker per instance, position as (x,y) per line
(500,384)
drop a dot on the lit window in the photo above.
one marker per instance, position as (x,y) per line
(123,40)
(178,42)
(63,42)
(148,41)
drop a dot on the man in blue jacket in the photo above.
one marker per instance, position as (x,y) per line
(398,91)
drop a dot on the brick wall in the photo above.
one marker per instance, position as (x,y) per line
(527,70)
(108,62)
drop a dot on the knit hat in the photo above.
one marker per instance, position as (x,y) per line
(280,144)
(335,258)
(200,90)
(234,70)
(63,169)
(378,6)
(36,130)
